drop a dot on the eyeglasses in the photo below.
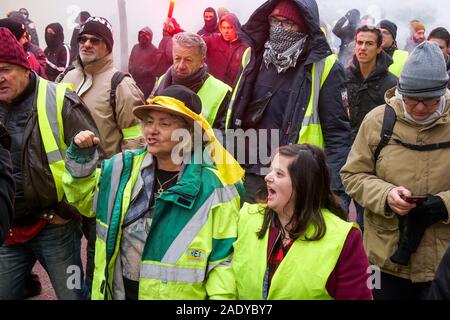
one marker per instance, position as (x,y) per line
(429,102)
(287,24)
(94,41)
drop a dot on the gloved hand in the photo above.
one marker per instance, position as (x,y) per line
(5,138)
(353,16)
(431,211)
(412,227)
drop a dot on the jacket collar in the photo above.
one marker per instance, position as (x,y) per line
(184,193)
(381,69)
(98,66)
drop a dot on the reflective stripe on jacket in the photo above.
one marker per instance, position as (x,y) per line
(303,273)
(190,242)
(212,94)
(50,100)
(311,130)
(399,58)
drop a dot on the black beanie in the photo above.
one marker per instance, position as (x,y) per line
(15,27)
(390,26)
(99,27)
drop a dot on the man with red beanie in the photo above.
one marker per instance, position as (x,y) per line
(292,88)
(42,118)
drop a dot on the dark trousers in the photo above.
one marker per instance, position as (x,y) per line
(88,227)
(395,288)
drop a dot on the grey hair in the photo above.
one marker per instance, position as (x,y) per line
(189,39)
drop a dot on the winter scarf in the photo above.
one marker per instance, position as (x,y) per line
(432,118)
(193,82)
(284,48)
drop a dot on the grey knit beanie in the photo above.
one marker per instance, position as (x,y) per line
(425,72)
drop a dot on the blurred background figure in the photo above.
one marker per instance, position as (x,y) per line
(144,61)
(345,30)
(28,44)
(417,35)
(210,27)
(31,28)
(57,52)
(389,32)
(80,20)
(225,50)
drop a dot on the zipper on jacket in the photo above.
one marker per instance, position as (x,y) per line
(107,237)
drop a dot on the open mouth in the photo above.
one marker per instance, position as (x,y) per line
(271,194)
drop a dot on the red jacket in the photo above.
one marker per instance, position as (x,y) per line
(224,59)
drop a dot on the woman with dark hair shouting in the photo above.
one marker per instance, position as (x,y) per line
(299,243)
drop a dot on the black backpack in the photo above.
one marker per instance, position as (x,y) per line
(115,82)
(389,120)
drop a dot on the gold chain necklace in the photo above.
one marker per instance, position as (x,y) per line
(161,185)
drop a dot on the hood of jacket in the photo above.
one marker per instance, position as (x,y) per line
(384,61)
(148,31)
(210,26)
(57,39)
(257,29)
(233,20)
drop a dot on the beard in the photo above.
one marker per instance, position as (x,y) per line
(88,59)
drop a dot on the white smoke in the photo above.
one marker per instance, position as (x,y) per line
(189,13)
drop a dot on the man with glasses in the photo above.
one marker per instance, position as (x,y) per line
(368,79)
(92,78)
(291,90)
(389,45)
(404,188)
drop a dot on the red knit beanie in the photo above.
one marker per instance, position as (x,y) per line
(289,10)
(11,51)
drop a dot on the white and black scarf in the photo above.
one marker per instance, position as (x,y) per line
(284,48)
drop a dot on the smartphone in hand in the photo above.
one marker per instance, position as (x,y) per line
(418,200)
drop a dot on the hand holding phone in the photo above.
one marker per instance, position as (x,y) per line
(418,200)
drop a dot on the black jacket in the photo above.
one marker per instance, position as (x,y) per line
(36,179)
(366,94)
(345,32)
(440,287)
(334,119)
(57,53)
(6,193)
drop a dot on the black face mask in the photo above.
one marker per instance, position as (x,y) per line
(51,40)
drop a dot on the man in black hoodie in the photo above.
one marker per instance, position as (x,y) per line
(368,78)
(210,27)
(290,91)
(144,61)
(57,53)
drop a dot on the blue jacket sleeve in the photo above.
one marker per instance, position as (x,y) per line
(335,124)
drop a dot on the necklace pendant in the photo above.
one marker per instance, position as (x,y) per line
(160,191)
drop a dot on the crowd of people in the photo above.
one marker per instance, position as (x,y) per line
(223,163)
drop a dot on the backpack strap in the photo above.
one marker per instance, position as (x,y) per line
(424,147)
(115,81)
(389,120)
(62,75)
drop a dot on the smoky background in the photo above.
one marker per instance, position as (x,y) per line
(189,13)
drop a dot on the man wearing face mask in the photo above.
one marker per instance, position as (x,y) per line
(57,53)
(210,27)
(291,85)
(143,62)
